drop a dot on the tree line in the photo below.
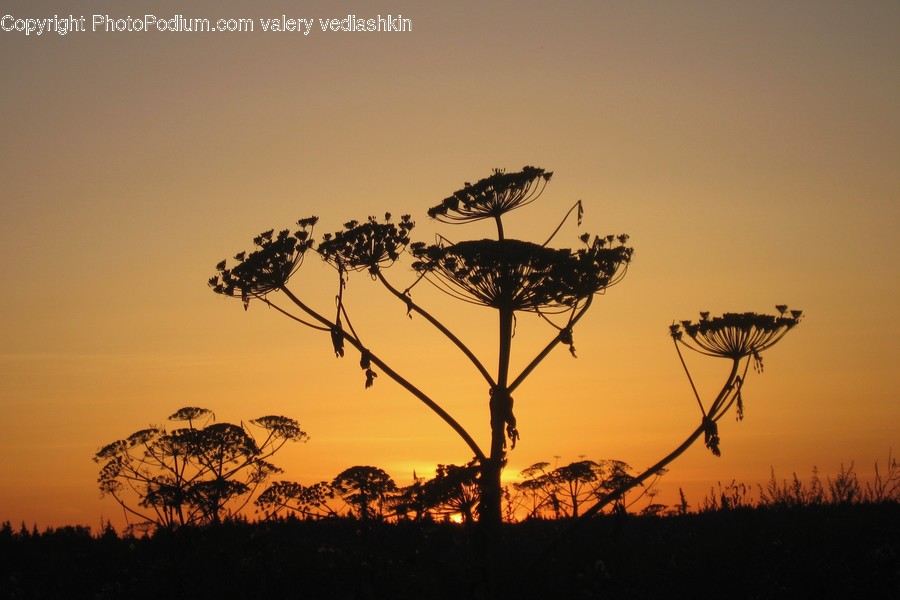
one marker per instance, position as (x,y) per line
(203,472)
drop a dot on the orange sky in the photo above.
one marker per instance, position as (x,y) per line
(749,149)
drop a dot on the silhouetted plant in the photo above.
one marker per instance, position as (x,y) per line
(492,197)
(409,502)
(844,488)
(794,493)
(885,487)
(558,493)
(365,489)
(738,337)
(193,474)
(453,492)
(509,276)
(791,494)
(729,496)
(683,507)
(504,274)
(616,474)
(532,494)
(575,482)
(288,497)
(561,492)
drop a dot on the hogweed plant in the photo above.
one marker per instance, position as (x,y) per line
(502,274)
(201,472)
(740,338)
(561,492)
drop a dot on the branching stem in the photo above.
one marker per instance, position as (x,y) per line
(402,381)
(439,326)
(549,347)
(621,490)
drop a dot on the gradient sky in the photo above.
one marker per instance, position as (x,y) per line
(750,150)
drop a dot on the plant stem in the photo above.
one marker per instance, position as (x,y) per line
(548,348)
(440,327)
(615,494)
(404,383)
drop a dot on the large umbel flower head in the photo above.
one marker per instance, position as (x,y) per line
(367,246)
(514,275)
(522,276)
(492,197)
(266,269)
(736,336)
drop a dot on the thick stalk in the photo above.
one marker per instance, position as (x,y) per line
(715,411)
(501,415)
(490,503)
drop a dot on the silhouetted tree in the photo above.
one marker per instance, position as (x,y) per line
(453,491)
(193,474)
(309,501)
(409,502)
(561,492)
(615,474)
(365,489)
(574,483)
(532,493)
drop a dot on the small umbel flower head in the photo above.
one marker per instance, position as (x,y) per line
(369,246)
(267,268)
(492,197)
(518,275)
(736,335)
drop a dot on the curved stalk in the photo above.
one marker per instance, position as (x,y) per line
(659,466)
(476,450)
(565,218)
(402,381)
(440,327)
(615,494)
(734,392)
(127,509)
(690,379)
(548,348)
(654,470)
(715,409)
(293,317)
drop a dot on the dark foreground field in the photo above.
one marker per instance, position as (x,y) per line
(812,552)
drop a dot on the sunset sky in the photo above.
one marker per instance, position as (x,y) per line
(750,150)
